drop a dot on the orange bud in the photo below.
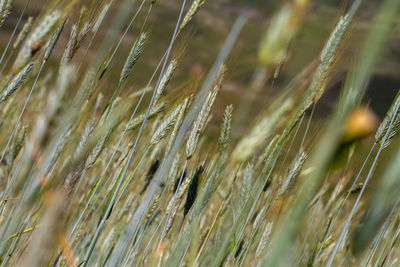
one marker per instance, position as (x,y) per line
(360,123)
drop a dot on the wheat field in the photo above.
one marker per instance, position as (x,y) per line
(199,133)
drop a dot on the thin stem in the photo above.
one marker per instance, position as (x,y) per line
(163,233)
(22,111)
(381,234)
(308,125)
(14,31)
(137,217)
(345,199)
(132,175)
(103,221)
(353,210)
(124,34)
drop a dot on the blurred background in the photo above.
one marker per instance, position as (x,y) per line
(201,42)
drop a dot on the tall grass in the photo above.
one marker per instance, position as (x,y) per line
(95,173)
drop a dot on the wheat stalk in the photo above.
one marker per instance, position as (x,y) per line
(69,49)
(16,83)
(139,119)
(194,8)
(293,173)
(5,10)
(134,55)
(225,133)
(383,128)
(247,184)
(165,126)
(264,241)
(36,39)
(101,17)
(165,79)
(24,32)
(202,117)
